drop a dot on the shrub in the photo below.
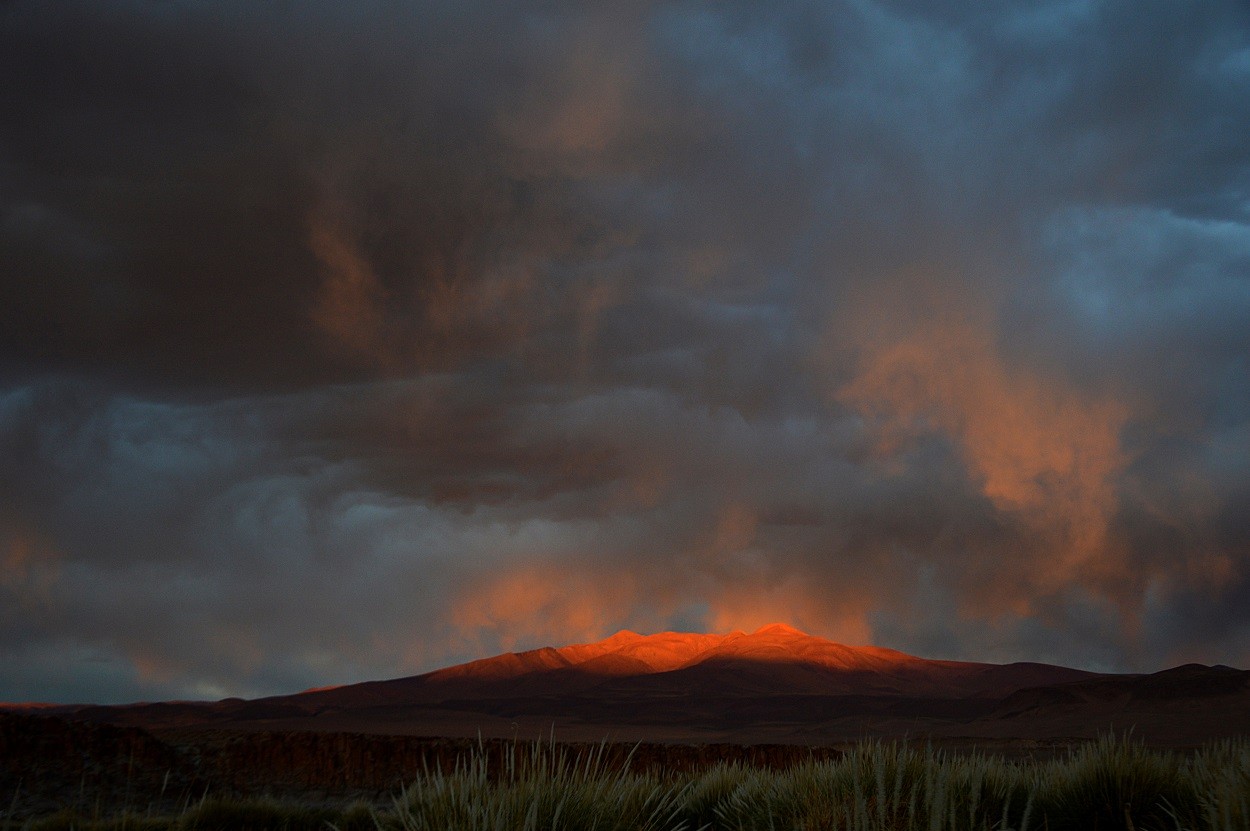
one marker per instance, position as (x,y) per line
(1115,783)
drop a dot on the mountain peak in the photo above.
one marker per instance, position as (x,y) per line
(779,629)
(623,636)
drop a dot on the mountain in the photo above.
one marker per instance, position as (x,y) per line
(776,684)
(1171,707)
(775,660)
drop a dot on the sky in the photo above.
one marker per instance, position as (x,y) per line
(348,341)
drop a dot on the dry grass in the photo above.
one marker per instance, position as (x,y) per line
(1110,784)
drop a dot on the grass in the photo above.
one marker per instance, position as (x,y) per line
(1110,784)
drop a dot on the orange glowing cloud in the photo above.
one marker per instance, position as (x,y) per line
(29,568)
(793,601)
(348,306)
(747,584)
(580,105)
(544,604)
(1042,452)
(152,667)
(552,605)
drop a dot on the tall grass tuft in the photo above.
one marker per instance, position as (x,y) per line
(1116,784)
(1221,776)
(548,789)
(890,787)
(705,792)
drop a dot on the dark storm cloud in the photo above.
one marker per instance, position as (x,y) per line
(254,198)
(338,343)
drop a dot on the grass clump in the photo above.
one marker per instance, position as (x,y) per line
(548,789)
(1117,785)
(1221,777)
(878,786)
(707,792)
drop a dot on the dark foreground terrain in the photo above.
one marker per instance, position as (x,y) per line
(48,763)
(66,775)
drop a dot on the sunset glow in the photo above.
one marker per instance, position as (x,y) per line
(358,341)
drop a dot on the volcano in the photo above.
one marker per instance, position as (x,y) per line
(776,684)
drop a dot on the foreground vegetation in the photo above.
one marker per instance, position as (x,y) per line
(1111,784)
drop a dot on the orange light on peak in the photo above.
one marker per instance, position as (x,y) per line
(778,629)
(792,606)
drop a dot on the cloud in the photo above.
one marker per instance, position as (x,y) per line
(543,605)
(1041,454)
(348,304)
(29,573)
(343,343)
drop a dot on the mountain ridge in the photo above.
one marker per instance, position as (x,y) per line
(775,657)
(774,684)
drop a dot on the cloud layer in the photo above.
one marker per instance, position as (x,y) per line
(345,343)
